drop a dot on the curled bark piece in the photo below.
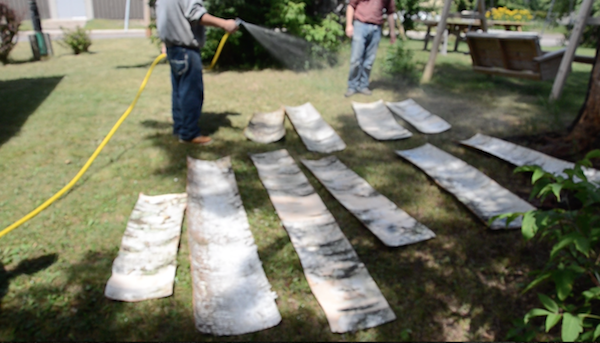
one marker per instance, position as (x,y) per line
(146,264)
(378,122)
(316,134)
(341,283)
(482,195)
(521,156)
(232,295)
(266,127)
(418,117)
(390,224)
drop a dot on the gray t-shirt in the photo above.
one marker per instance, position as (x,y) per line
(178,22)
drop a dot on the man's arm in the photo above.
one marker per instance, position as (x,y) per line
(349,21)
(228,25)
(392,25)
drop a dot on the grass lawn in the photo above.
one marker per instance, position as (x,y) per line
(463,285)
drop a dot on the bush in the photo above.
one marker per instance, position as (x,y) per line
(9,27)
(574,261)
(399,61)
(299,18)
(78,40)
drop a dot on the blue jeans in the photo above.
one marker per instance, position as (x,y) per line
(188,90)
(365,41)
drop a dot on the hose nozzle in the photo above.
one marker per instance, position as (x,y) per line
(238,21)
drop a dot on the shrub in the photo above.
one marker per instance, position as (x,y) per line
(399,61)
(78,40)
(574,261)
(299,18)
(9,27)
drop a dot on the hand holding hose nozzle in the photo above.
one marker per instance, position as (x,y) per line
(232,25)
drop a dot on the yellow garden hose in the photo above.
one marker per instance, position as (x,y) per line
(218,53)
(90,160)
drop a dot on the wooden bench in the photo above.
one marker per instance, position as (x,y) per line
(515,54)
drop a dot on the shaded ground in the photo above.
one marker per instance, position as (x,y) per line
(462,285)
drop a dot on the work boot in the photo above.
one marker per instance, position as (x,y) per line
(365,91)
(349,93)
(200,140)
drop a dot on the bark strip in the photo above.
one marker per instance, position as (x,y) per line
(521,156)
(341,283)
(266,127)
(315,133)
(376,120)
(383,218)
(231,293)
(482,195)
(147,261)
(418,117)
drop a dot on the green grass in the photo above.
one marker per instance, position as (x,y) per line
(462,285)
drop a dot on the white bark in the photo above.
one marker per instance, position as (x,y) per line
(146,264)
(266,127)
(521,156)
(378,122)
(232,295)
(419,117)
(341,283)
(390,224)
(316,134)
(482,195)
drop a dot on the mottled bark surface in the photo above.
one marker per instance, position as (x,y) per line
(521,156)
(377,121)
(341,283)
(482,195)
(146,265)
(390,224)
(266,127)
(231,293)
(586,128)
(315,133)
(418,117)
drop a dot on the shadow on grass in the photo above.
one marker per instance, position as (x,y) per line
(19,99)
(28,267)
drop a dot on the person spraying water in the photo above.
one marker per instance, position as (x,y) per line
(181,27)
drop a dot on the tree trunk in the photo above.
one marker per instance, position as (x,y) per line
(586,128)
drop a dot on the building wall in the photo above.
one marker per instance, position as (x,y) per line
(21,7)
(115,9)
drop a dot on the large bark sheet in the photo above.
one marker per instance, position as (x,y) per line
(418,117)
(231,293)
(390,224)
(341,283)
(378,122)
(146,264)
(521,156)
(266,127)
(482,195)
(316,134)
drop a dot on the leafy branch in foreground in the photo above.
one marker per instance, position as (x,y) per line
(574,261)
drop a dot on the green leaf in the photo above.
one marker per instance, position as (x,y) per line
(564,241)
(528,225)
(592,154)
(548,303)
(556,188)
(571,328)
(538,173)
(552,320)
(591,293)
(596,332)
(563,279)
(537,281)
(536,312)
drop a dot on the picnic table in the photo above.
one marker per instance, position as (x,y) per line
(464,25)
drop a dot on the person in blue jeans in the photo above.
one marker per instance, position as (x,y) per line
(180,25)
(363,24)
